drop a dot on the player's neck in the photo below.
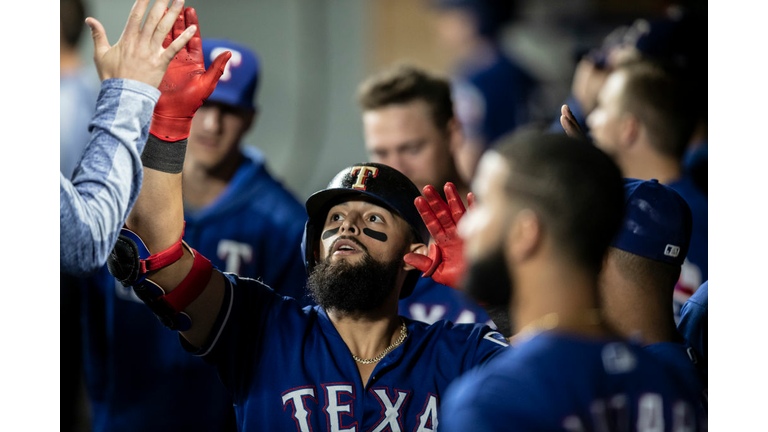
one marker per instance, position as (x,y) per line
(69,59)
(367,335)
(556,296)
(650,165)
(202,185)
(641,315)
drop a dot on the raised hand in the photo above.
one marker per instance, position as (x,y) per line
(445,263)
(569,123)
(186,84)
(140,54)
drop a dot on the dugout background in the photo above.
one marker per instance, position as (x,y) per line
(315,52)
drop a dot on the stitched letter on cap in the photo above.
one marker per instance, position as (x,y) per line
(234,61)
(362,175)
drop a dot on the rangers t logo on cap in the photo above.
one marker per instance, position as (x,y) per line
(362,175)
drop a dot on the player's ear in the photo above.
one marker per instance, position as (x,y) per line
(455,135)
(525,235)
(417,248)
(630,130)
(250,119)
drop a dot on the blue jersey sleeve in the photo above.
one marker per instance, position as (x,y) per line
(249,311)
(486,345)
(693,325)
(472,400)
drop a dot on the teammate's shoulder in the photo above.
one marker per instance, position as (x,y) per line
(694,197)
(700,298)
(461,333)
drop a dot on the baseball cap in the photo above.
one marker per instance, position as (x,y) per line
(674,41)
(237,85)
(657,222)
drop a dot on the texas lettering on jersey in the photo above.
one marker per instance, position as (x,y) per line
(303,403)
(431,314)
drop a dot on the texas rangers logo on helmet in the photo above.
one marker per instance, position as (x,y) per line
(362,175)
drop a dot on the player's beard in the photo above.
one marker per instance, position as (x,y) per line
(349,288)
(488,282)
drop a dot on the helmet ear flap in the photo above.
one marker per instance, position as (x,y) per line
(308,247)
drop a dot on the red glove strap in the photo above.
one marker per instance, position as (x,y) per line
(164,258)
(193,284)
(437,257)
(170,128)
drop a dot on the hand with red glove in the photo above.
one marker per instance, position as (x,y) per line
(445,263)
(186,83)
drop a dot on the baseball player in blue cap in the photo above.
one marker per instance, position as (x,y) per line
(227,184)
(236,213)
(643,121)
(547,208)
(350,363)
(640,271)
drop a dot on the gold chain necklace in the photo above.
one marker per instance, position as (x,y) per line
(403,335)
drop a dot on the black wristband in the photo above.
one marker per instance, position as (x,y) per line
(165,156)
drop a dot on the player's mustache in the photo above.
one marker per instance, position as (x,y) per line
(352,239)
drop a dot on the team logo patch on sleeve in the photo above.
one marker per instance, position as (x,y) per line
(496,337)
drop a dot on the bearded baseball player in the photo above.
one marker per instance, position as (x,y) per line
(350,363)
(547,208)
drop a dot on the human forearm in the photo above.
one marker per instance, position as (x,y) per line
(188,285)
(158,218)
(94,205)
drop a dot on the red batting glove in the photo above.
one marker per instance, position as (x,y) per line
(186,83)
(445,263)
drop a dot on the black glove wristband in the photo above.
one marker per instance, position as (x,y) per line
(165,156)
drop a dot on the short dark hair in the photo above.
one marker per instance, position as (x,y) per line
(72,19)
(647,273)
(660,102)
(406,83)
(574,188)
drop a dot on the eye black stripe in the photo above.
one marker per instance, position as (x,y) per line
(376,235)
(329,233)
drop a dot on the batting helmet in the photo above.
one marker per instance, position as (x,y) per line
(376,182)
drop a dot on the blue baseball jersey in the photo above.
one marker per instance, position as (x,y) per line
(696,155)
(431,302)
(138,376)
(288,369)
(558,382)
(682,360)
(494,98)
(254,229)
(694,269)
(693,323)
